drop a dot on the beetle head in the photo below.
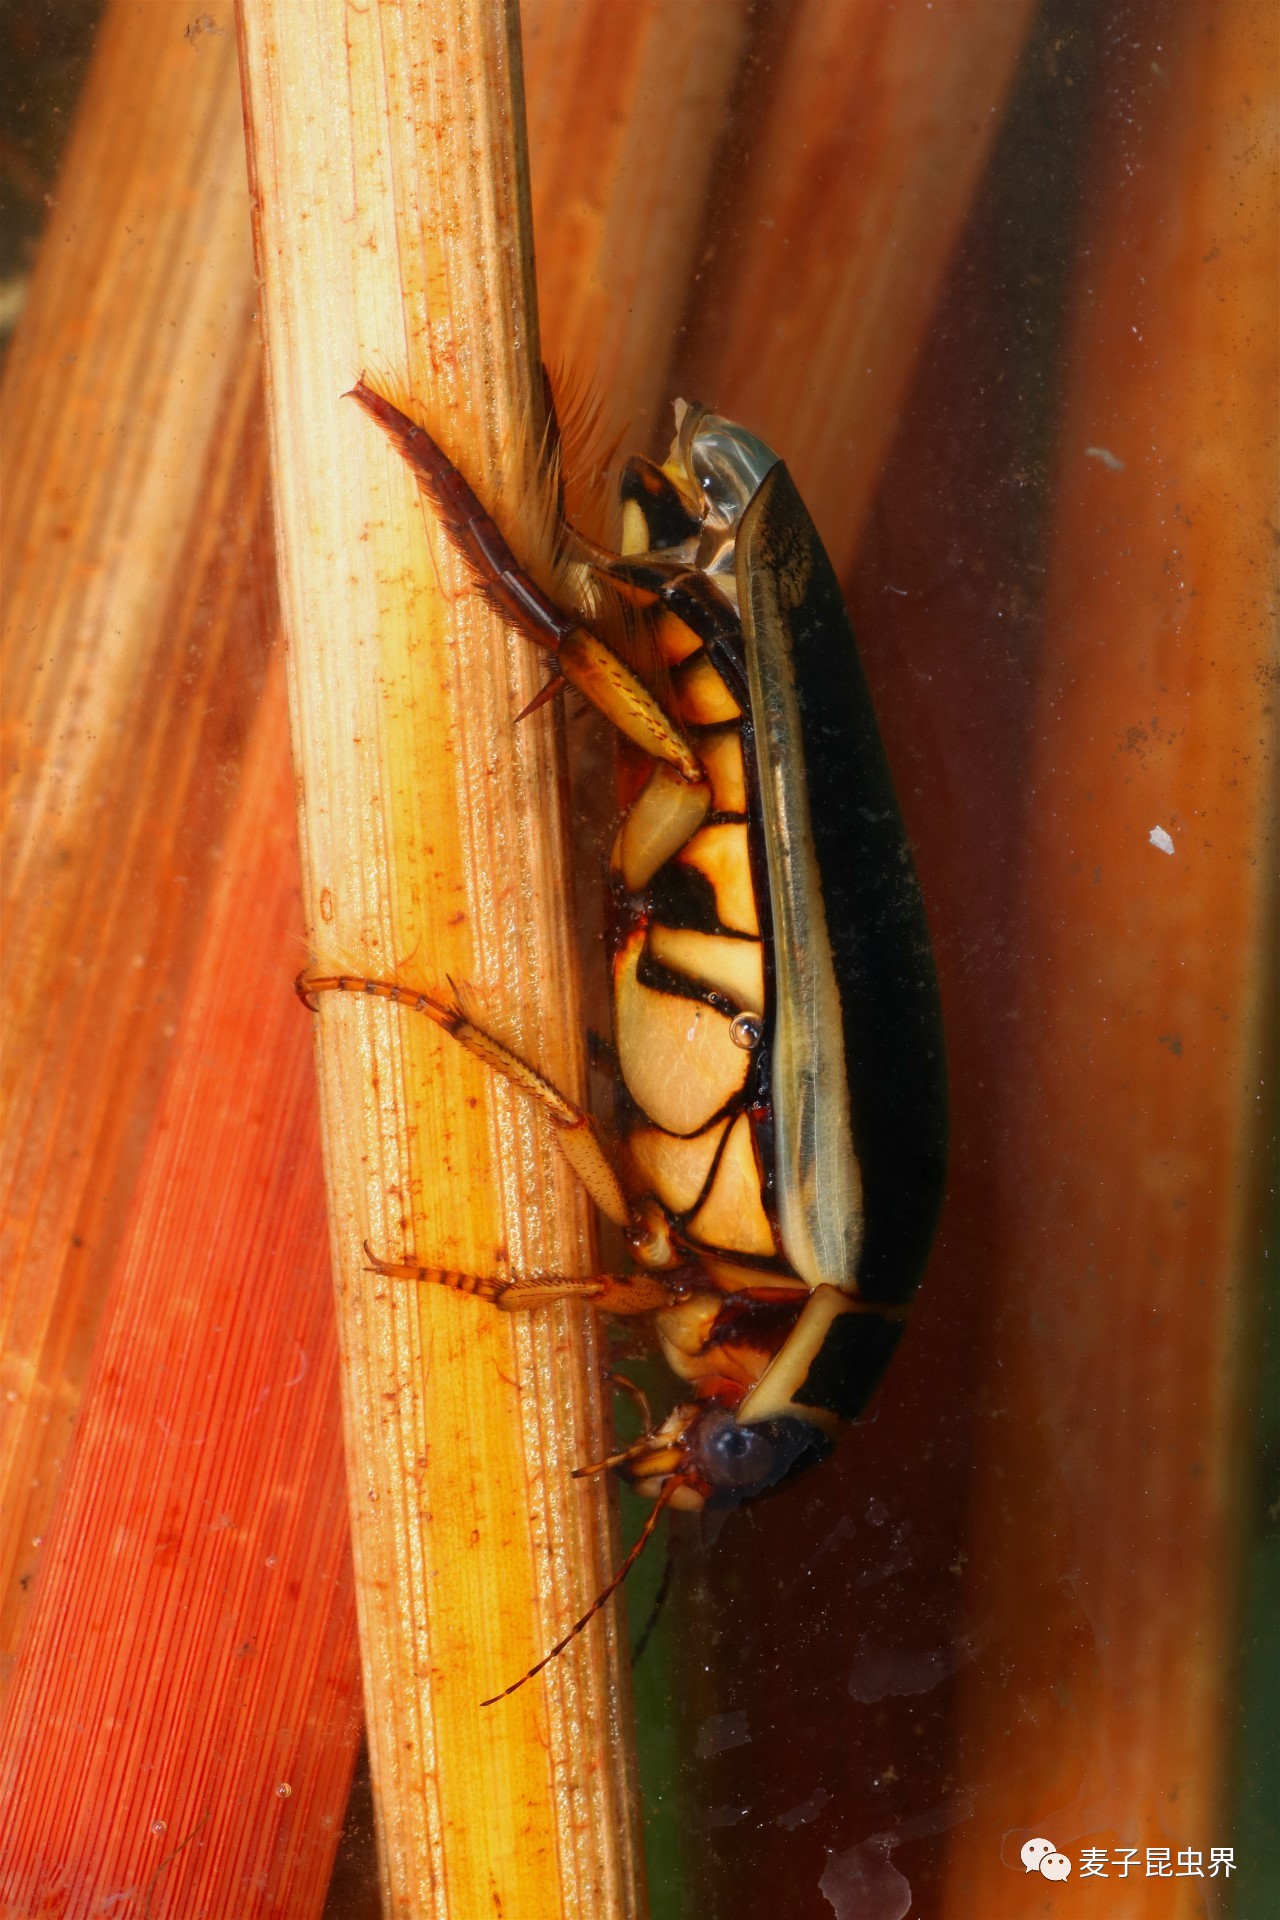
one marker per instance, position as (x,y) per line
(717,1460)
(717,462)
(690,506)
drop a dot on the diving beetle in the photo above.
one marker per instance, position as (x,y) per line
(781,1107)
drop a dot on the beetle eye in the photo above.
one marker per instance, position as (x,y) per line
(743,1460)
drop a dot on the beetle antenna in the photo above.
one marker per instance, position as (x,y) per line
(639,1446)
(646,1534)
(659,1602)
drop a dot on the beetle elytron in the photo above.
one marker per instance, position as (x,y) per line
(782,1097)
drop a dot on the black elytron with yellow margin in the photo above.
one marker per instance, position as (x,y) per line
(781,1131)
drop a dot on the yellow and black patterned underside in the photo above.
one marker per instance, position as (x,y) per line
(733,975)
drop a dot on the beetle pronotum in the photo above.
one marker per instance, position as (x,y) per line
(781,1131)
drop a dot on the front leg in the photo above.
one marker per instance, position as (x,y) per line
(582,659)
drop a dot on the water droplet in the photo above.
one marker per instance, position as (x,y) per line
(746,1031)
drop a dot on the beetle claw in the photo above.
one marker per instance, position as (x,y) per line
(554,687)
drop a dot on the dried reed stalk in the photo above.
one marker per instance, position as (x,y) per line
(627,107)
(132,662)
(393,238)
(1108,1498)
(185,1705)
(189,1647)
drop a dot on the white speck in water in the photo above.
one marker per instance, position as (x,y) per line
(1109,460)
(1159,838)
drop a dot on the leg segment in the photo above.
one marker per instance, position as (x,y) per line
(622,1293)
(582,657)
(636,1394)
(573,1130)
